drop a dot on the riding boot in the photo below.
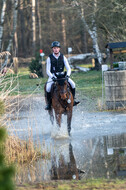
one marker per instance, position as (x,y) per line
(48,106)
(73,93)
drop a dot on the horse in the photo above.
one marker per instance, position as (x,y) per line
(62,100)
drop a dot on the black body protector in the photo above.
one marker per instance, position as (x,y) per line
(57,65)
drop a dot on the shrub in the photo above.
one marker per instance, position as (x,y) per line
(115,65)
(6,173)
(35,66)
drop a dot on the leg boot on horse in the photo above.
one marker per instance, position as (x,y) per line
(73,93)
(48,106)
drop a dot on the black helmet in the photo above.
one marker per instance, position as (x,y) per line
(55,44)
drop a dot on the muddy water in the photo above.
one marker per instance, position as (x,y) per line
(97,147)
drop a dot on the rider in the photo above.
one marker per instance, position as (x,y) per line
(55,63)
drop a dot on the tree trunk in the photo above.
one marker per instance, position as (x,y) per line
(33,27)
(39,25)
(64,27)
(85,49)
(2,22)
(22,29)
(95,39)
(15,10)
(93,32)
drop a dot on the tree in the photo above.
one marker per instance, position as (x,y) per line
(63,21)
(33,27)
(2,22)
(39,24)
(91,30)
(15,10)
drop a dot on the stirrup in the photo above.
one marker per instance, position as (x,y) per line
(75,103)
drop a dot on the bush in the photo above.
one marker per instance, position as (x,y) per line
(115,65)
(6,173)
(36,66)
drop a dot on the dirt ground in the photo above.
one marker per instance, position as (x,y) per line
(100,184)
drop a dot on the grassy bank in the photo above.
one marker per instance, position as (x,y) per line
(87,83)
(90,184)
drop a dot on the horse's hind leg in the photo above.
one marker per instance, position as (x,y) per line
(69,117)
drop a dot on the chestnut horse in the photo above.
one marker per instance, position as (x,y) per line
(62,101)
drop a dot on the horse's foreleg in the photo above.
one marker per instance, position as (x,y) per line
(69,118)
(51,116)
(58,119)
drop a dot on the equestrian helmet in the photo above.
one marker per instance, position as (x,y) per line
(55,44)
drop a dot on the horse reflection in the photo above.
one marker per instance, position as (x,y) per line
(63,170)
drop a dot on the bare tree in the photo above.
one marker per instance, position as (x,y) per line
(33,27)
(22,27)
(15,10)
(39,24)
(2,22)
(93,31)
(63,26)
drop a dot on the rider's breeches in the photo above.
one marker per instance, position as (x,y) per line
(50,82)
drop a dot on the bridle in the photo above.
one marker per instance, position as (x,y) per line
(64,101)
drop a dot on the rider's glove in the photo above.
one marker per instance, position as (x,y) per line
(54,79)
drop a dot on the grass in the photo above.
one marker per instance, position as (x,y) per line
(20,152)
(23,84)
(87,83)
(90,184)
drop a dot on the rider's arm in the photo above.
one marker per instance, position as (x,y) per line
(48,67)
(67,66)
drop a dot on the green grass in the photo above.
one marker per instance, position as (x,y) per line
(88,84)
(90,184)
(22,84)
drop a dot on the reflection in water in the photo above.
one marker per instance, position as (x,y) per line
(99,157)
(63,169)
(109,158)
(121,162)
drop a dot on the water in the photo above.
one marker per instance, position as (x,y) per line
(96,148)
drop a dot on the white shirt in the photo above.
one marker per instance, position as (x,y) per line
(48,66)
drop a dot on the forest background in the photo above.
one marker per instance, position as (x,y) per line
(26,26)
